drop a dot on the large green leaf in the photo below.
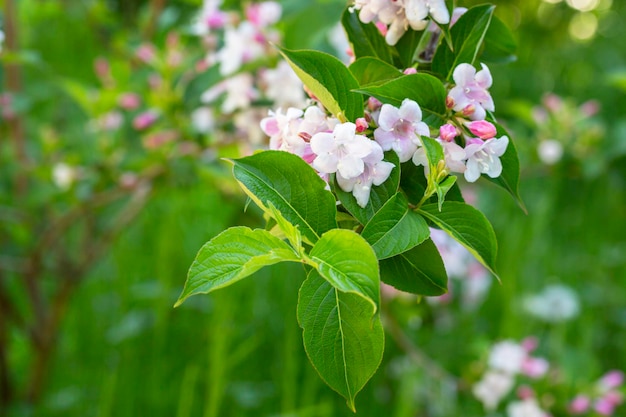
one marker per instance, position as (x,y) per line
(231,256)
(395,229)
(467,226)
(370,71)
(424,89)
(343,341)
(407,47)
(500,46)
(329,80)
(365,38)
(418,271)
(292,186)
(509,179)
(378,194)
(349,263)
(467,35)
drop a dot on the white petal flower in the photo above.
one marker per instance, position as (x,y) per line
(507,356)
(340,151)
(525,408)
(418,10)
(556,303)
(470,94)
(484,157)
(283,86)
(398,128)
(492,388)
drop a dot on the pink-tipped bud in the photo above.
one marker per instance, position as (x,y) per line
(590,108)
(361,125)
(482,128)
(611,379)
(535,367)
(129,101)
(216,20)
(448,132)
(468,110)
(410,71)
(604,407)
(449,102)
(580,404)
(382,28)
(373,104)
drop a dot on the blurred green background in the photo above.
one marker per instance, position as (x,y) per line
(120,349)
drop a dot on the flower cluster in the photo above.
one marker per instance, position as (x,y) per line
(508,359)
(397,16)
(554,304)
(235,40)
(335,148)
(603,398)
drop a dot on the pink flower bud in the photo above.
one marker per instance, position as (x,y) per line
(373,104)
(614,397)
(535,367)
(448,132)
(129,101)
(382,28)
(611,379)
(102,68)
(216,20)
(553,102)
(468,110)
(449,102)
(144,120)
(361,125)
(483,129)
(590,108)
(580,404)
(409,71)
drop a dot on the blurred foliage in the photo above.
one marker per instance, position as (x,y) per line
(122,350)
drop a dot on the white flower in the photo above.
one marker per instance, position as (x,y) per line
(417,11)
(550,151)
(341,151)
(202,119)
(283,86)
(1,39)
(525,408)
(241,45)
(507,356)
(239,92)
(398,128)
(64,175)
(375,172)
(470,94)
(492,388)
(556,303)
(484,157)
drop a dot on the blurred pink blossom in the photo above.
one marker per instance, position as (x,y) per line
(145,120)
(129,101)
(580,404)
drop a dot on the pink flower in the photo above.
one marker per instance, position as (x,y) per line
(482,128)
(399,128)
(145,120)
(580,404)
(535,367)
(611,379)
(146,52)
(409,71)
(484,157)
(470,95)
(129,101)
(448,132)
(604,406)
(341,151)
(263,14)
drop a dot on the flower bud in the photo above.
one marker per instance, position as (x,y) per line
(483,129)
(409,71)
(361,125)
(448,132)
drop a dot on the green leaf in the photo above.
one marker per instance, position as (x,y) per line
(395,229)
(231,256)
(291,232)
(343,338)
(467,226)
(467,35)
(329,80)
(442,189)
(378,194)
(292,186)
(509,179)
(407,46)
(434,152)
(413,182)
(424,89)
(500,46)
(369,71)
(418,271)
(349,263)
(365,38)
